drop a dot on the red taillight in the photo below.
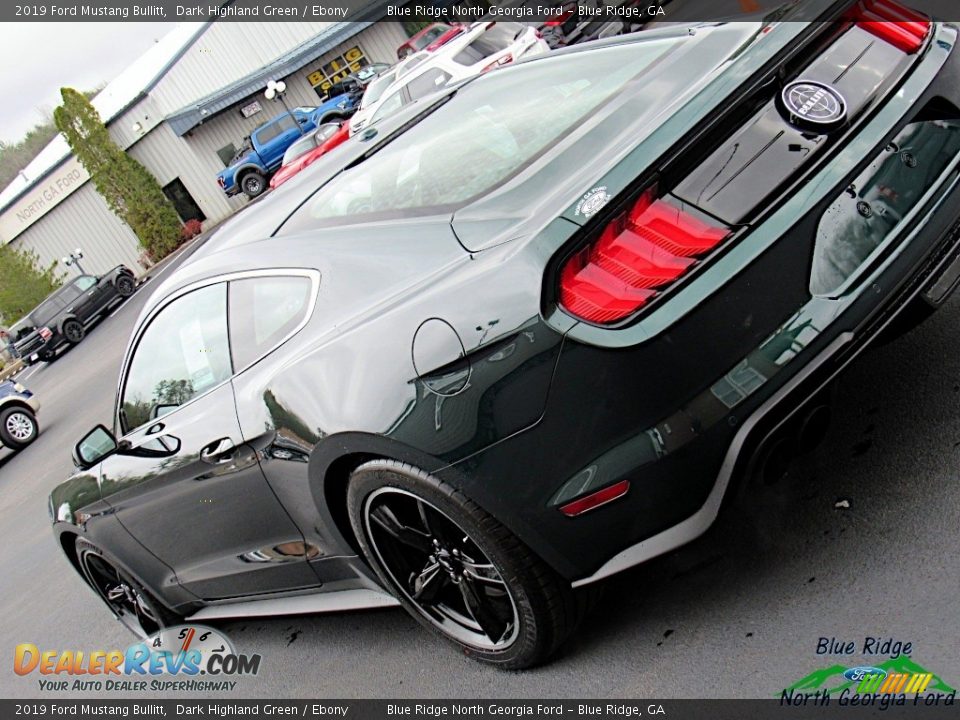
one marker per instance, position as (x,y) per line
(46,333)
(222,182)
(559,20)
(636,256)
(900,26)
(595,500)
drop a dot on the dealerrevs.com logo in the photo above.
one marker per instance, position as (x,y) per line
(178,658)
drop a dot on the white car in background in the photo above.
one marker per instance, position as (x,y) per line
(484,47)
(375,90)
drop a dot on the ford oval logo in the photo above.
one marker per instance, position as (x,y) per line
(812,105)
(856,674)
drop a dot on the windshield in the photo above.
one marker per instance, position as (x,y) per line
(503,122)
(370,71)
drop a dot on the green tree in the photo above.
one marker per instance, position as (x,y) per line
(131,192)
(22,285)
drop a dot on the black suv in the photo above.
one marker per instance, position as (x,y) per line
(63,318)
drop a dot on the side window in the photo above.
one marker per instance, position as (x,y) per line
(264,311)
(429,82)
(274,129)
(69,294)
(85,283)
(389,106)
(48,309)
(183,353)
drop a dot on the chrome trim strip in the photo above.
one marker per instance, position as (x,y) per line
(358,599)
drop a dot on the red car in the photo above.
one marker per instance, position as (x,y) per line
(308,148)
(430,38)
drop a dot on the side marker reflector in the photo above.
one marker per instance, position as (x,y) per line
(595,500)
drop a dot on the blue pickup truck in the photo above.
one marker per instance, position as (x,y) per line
(261,154)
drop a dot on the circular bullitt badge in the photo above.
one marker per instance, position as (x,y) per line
(813,106)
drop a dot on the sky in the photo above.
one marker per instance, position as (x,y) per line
(40,58)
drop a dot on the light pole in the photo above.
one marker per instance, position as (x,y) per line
(275,91)
(74,258)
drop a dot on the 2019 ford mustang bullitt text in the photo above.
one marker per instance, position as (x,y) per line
(521,336)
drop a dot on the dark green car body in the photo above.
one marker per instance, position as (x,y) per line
(442,339)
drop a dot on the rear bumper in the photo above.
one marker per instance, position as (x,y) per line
(677,411)
(939,266)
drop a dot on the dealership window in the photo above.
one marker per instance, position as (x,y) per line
(183,352)
(226,154)
(336,69)
(263,312)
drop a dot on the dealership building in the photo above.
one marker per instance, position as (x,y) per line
(182,110)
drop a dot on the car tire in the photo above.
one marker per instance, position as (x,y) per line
(525,609)
(125,286)
(73,331)
(253,184)
(132,604)
(18,427)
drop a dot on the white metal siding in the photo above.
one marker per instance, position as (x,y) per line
(82,220)
(144,112)
(168,157)
(226,52)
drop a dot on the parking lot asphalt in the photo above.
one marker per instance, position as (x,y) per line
(737,613)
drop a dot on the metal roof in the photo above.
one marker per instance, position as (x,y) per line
(185,119)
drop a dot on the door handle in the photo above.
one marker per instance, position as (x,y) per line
(219,451)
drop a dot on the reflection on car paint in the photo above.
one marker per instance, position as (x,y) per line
(875,204)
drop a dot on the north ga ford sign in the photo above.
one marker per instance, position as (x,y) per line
(42,198)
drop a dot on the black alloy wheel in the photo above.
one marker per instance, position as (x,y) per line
(125,286)
(456,569)
(73,331)
(442,571)
(129,601)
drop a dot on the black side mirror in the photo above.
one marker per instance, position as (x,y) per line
(96,445)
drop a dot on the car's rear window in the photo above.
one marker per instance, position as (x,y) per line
(481,137)
(497,38)
(430,35)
